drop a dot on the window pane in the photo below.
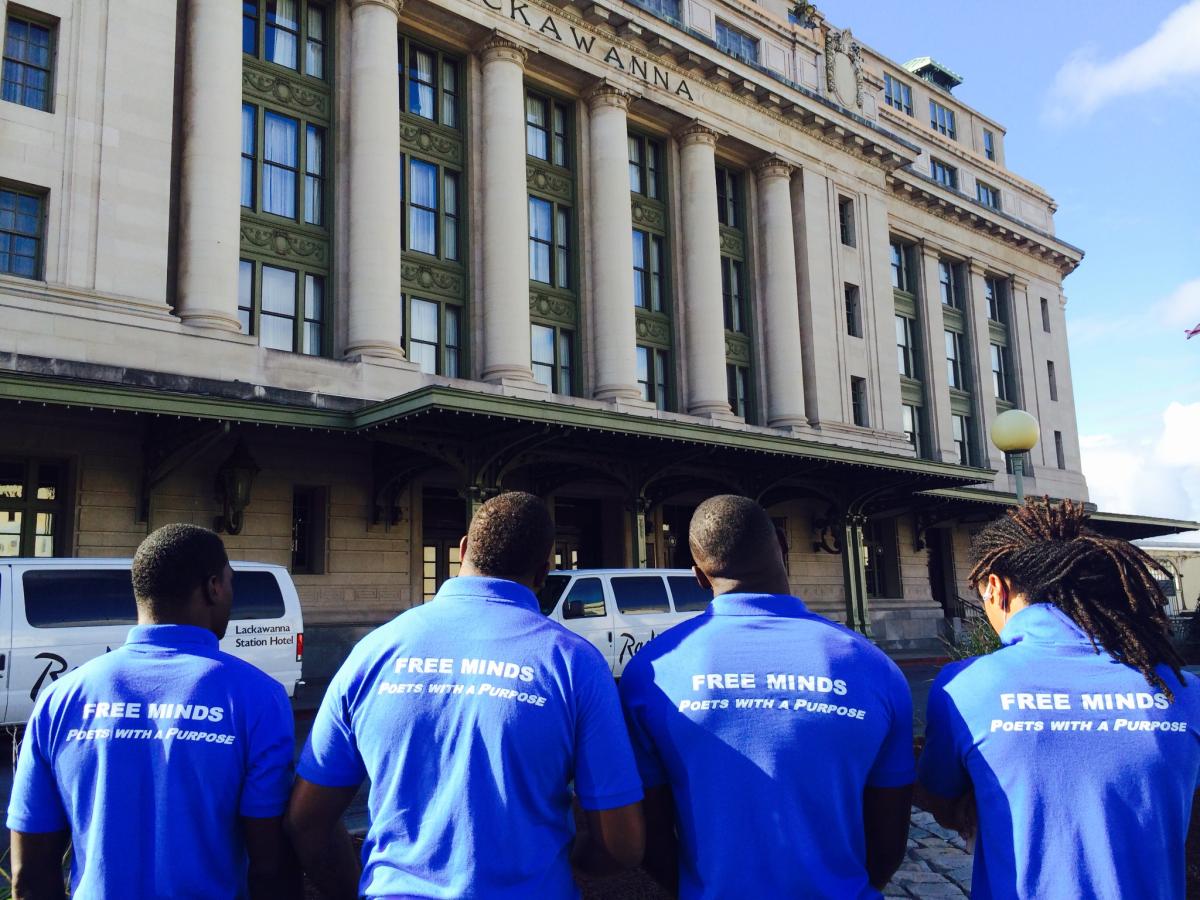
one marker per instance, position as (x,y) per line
(635,165)
(73,597)
(256,595)
(565,383)
(543,344)
(562,254)
(279,154)
(10,533)
(540,237)
(278,291)
(424,321)
(314,53)
(640,594)
(245,297)
(643,372)
(450,222)
(588,592)
(314,166)
(282,26)
(12,480)
(421,83)
(536,128)
(250,27)
(688,595)
(248,146)
(450,93)
(422,206)
(276,332)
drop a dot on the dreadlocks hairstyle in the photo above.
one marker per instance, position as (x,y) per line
(1103,584)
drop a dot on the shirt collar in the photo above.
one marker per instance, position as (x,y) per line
(493,590)
(175,637)
(782,605)
(1043,623)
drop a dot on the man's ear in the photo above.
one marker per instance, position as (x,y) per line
(539,577)
(702,578)
(462,548)
(211,589)
(999,588)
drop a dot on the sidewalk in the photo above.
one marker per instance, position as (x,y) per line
(937,863)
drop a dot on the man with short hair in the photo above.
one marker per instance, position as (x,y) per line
(776,744)
(166,762)
(471,715)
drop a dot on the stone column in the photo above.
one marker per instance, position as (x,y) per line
(822,315)
(615,335)
(781,301)
(505,214)
(980,359)
(701,247)
(375,312)
(932,336)
(210,208)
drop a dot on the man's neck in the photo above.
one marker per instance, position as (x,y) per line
(750,586)
(470,571)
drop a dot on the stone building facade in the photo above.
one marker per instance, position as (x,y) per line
(403,255)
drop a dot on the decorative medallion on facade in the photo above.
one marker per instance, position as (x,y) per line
(555,309)
(737,349)
(284,244)
(426,277)
(732,242)
(844,68)
(284,90)
(424,140)
(648,216)
(652,329)
(546,182)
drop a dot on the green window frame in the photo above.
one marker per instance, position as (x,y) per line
(649,270)
(22,232)
(283,165)
(654,375)
(910,416)
(994,297)
(431,212)
(858,401)
(954,360)
(729,197)
(733,293)
(906,356)
(433,334)
(553,357)
(284,306)
(901,263)
(28,62)
(961,430)
(948,284)
(548,129)
(293,34)
(34,518)
(550,242)
(646,166)
(430,83)
(740,390)
(1001,369)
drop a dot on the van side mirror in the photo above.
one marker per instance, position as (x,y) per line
(573,609)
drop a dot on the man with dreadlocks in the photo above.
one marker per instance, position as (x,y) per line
(1079,739)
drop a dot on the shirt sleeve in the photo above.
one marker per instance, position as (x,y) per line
(271,744)
(330,757)
(894,764)
(605,774)
(36,806)
(942,768)
(645,752)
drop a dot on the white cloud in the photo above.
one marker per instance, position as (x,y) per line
(1154,475)
(1169,56)
(1169,316)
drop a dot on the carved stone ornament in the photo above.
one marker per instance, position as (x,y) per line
(548,182)
(844,68)
(773,167)
(426,141)
(428,278)
(284,90)
(737,351)
(648,216)
(653,330)
(499,47)
(696,132)
(284,244)
(731,242)
(605,93)
(545,306)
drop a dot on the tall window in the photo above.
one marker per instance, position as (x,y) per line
(1000,375)
(736,42)
(948,284)
(993,294)
(941,118)
(21,217)
(283,165)
(649,263)
(33,519)
(1045,315)
(549,242)
(653,367)
(1060,455)
(284,307)
(902,268)
(846,220)
(429,84)
(429,196)
(645,166)
(433,335)
(1052,380)
(853,312)
(954,360)
(943,173)
(547,124)
(989,145)
(858,400)
(987,195)
(28,61)
(309,514)
(960,426)
(897,94)
(729,197)
(905,347)
(733,292)
(737,379)
(552,358)
(881,559)
(911,417)
(288,33)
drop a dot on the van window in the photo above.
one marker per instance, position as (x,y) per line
(256,595)
(70,598)
(589,592)
(551,590)
(641,594)
(688,595)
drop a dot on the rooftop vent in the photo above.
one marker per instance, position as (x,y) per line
(934,72)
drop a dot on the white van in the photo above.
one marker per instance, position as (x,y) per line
(56,614)
(619,610)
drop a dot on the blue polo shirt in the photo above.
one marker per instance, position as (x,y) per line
(768,721)
(149,755)
(471,715)
(1083,774)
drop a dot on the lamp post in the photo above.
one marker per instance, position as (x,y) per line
(1015,433)
(235,478)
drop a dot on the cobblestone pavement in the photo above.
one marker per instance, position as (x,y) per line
(937,864)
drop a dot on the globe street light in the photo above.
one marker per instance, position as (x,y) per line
(1015,433)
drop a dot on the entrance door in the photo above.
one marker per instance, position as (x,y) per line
(443,523)
(942,580)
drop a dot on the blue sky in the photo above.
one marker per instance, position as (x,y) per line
(1101,104)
